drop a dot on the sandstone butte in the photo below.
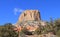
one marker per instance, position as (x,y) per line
(29,15)
(31,19)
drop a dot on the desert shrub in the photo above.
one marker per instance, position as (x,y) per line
(58,33)
(7,31)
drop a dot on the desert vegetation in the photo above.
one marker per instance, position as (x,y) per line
(6,30)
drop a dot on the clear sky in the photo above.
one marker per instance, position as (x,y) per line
(11,9)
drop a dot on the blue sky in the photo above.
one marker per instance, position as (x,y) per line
(11,9)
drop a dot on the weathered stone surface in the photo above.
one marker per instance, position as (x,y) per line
(29,15)
(30,19)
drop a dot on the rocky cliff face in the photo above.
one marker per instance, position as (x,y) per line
(29,15)
(30,19)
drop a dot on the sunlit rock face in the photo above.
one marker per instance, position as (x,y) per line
(30,19)
(29,15)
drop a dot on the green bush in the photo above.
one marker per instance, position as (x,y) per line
(7,31)
(58,33)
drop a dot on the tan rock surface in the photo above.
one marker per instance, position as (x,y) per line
(30,19)
(29,15)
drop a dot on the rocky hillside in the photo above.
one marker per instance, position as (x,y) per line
(30,19)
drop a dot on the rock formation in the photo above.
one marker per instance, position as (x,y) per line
(30,19)
(29,15)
